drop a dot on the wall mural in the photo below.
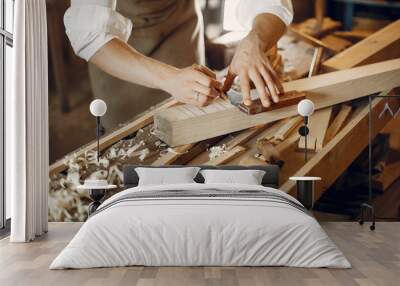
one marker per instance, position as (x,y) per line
(74,83)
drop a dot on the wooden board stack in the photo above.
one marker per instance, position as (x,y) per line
(380,46)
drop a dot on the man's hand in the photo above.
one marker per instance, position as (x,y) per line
(251,64)
(195,85)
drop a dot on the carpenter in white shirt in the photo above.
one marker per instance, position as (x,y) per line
(154,43)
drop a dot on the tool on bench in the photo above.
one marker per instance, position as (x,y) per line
(287,99)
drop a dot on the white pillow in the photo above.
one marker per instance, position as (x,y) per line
(246,177)
(165,176)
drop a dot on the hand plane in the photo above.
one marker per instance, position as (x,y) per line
(287,99)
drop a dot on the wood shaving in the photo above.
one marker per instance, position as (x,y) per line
(144,154)
(216,151)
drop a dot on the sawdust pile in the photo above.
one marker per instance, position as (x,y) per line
(66,203)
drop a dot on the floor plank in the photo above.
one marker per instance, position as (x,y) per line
(375,257)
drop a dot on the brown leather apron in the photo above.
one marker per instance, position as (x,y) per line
(170,31)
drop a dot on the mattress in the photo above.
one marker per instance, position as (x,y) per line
(201,225)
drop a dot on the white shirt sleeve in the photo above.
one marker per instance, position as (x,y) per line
(239,14)
(90,24)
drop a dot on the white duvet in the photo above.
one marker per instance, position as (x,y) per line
(200,231)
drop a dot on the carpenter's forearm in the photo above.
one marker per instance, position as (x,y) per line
(124,62)
(269,29)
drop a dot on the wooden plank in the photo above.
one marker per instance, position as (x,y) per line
(245,136)
(198,149)
(339,153)
(316,62)
(372,24)
(380,46)
(230,142)
(252,161)
(393,130)
(281,147)
(108,140)
(227,156)
(309,39)
(319,26)
(272,130)
(184,153)
(266,148)
(321,123)
(322,23)
(289,125)
(391,171)
(318,125)
(311,143)
(354,35)
(324,90)
(314,69)
(172,155)
(287,99)
(268,151)
(267,134)
(389,175)
(335,43)
(337,123)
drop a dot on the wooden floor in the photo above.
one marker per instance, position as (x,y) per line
(375,257)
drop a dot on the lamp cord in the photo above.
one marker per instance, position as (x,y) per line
(305,138)
(98,137)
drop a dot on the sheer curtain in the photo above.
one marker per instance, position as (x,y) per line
(27,124)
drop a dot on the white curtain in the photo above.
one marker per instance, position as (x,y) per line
(27,124)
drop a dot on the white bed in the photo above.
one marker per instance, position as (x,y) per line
(267,229)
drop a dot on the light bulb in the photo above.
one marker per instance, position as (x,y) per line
(98,107)
(305,107)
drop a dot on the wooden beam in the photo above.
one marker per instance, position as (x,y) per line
(338,123)
(281,147)
(309,39)
(372,24)
(230,140)
(318,26)
(287,99)
(177,128)
(245,136)
(341,151)
(389,175)
(380,46)
(391,170)
(335,43)
(108,140)
(252,155)
(289,125)
(318,125)
(268,151)
(311,143)
(227,156)
(353,36)
(316,62)
(319,11)
(198,149)
(172,155)
(252,161)
(184,153)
